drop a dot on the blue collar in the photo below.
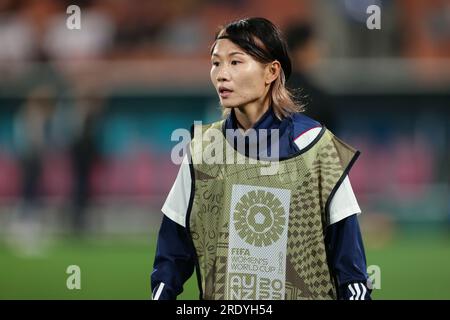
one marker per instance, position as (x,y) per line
(268,121)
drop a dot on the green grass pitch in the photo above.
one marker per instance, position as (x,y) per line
(411,268)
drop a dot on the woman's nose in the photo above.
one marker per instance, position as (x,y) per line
(223,74)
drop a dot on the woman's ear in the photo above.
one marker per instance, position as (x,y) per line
(272,71)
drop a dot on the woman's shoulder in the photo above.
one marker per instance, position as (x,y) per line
(304,125)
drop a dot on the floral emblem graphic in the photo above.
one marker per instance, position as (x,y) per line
(259,218)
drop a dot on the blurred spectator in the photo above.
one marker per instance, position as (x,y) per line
(282,12)
(33,136)
(16,34)
(93,40)
(305,54)
(343,30)
(138,24)
(37,14)
(84,153)
(185,33)
(425,28)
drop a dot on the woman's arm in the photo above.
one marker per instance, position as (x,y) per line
(174,261)
(348,259)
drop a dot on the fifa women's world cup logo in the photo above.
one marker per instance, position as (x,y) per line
(257,242)
(259,218)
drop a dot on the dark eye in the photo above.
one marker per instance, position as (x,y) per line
(235,62)
(215,63)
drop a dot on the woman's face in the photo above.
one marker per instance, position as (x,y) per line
(239,79)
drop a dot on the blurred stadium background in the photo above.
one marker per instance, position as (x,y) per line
(86,118)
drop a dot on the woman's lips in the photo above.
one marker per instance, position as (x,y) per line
(225,93)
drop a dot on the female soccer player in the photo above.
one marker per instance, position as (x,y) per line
(250,234)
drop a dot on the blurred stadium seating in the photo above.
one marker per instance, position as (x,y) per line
(137,70)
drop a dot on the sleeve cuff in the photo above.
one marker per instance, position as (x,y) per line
(356,291)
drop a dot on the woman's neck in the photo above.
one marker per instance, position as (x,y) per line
(248,115)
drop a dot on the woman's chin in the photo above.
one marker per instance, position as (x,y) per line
(227,105)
